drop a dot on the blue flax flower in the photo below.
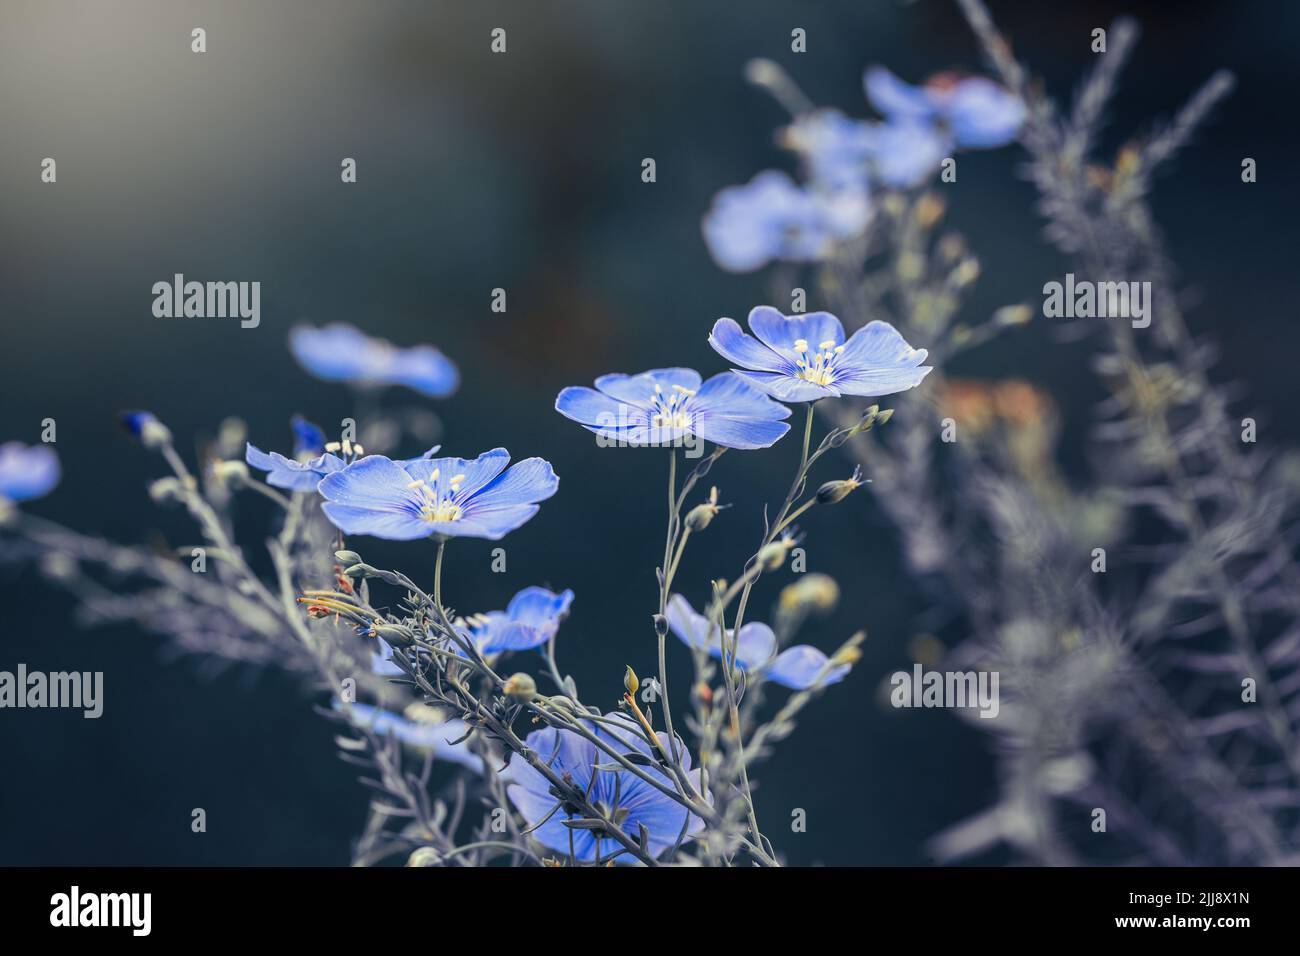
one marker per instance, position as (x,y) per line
(627,797)
(842,153)
(453,497)
(419,728)
(803,358)
(310,463)
(835,148)
(530,620)
(27,472)
(974,112)
(773,218)
(343,353)
(666,405)
(796,667)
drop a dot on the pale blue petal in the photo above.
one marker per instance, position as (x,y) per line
(787,388)
(733,344)
(491,523)
(592,408)
(755,645)
(780,332)
(374,481)
(797,668)
(894,98)
(640,389)
(477,473)
(983,115)
(529,481)
(739,432)
(394,524)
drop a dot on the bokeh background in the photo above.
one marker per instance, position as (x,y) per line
(519,171)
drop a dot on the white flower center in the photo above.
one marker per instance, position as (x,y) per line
(670,410)
(817,367)
(437,506)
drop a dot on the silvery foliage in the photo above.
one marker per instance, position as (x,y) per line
(1165,691)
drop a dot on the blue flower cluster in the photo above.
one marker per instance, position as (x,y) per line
(847,160)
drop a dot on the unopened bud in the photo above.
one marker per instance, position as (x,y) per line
(165,489)
(867,420)
(394,634)
(835,491)
(772,556)
(849,652)
(630,682)
(424,856)
(520,686)
(228,471)
(144,426)
(698,518)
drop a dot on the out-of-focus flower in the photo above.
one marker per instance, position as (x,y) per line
(343,353)
(627,798)
(452,497)
(27,472)
(904,153)
(666,405)
(796,667)
(420,726)
(976,112)
(772,218)
(835,148)
(530,620)
(803,358)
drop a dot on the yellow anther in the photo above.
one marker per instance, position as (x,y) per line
(801,345)
(828,344)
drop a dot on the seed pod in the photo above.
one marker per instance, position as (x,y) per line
(520,686)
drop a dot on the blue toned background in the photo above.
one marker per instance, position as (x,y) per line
(522,172)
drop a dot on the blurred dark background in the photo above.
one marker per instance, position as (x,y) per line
(519,171)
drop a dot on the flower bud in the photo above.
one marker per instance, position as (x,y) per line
(424,856)
(866,421)
(698,518)
(394,634)
(835,491)
(812,592)
(849,653)
(630,682)
(772,556)
(347,558)
(520,686)
(165,489)
(144,426)
(228,471)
